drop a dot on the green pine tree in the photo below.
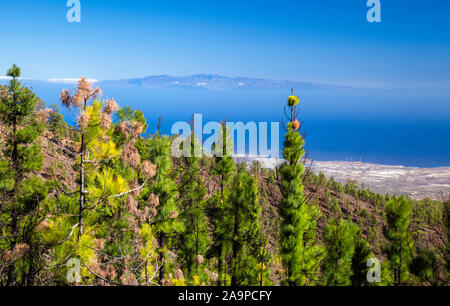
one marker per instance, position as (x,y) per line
(21,191)
(361,255)
(194,242)
(339,240)
(299,252)
(446,226)
(244,212)
(424,266)
(167,225)
(261,246)
(399,246)
(223,169)
(90,210)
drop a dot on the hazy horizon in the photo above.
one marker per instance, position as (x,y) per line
(408,132)
(394,109)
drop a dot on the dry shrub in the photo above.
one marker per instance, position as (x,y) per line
(77,100)
(83,93)
(145,214)
(179,274)
(99,243)
(122,128)
(148,169)
(66,99)
(83,120)
(110,272)
(128,128)
(140,215)
(137,128)
(105,122)
(154,200)
(44,114)
(154,212)
(110,107)
(131,155)
(134,160)
(213,276)
(128,278)
(96,93)
(199,259)
(7,256)
(96,267)
(21,249)
(84,87)
(132,205)
(42,226)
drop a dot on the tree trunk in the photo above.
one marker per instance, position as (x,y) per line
(11,269)
(82,181)
(220,260)
(162,269)
(234,247)
(196,242)
(220,265)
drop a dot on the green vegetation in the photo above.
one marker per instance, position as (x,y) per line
(340,248)
(21,192)
(110,205)
(299,250)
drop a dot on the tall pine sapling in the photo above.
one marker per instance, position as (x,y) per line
(299,252)
(399,246)
(21,192)
(360,258)
(223,169)
(340,248)
(167,224)
(194,241)
(244,213)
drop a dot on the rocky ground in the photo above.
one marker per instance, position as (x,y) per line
(417,183)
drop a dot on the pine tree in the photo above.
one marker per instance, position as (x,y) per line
(340,248)
(56,123)
(21,192)
(90,130)
(424,266)
(299,252)
(446,248)
(264,257)
(398,249)
(245,212)
(194,241)
(261,246)
(223,169)
(359,260)
(166,223)
(101,190)
(122,229)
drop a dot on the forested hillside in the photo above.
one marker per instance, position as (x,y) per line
(108,199)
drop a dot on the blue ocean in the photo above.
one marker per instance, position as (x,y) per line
(409,127)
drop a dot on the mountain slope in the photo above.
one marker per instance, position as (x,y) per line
(211,81)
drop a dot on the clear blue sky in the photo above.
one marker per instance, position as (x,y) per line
(316,40)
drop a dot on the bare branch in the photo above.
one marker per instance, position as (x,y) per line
(127,192)
(70,235)
(102,278)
